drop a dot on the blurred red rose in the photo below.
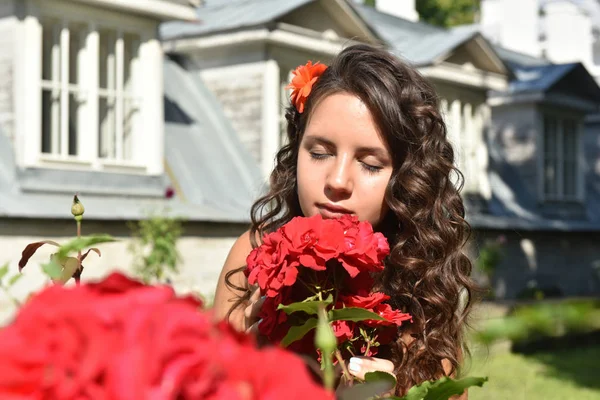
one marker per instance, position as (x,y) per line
(122,340)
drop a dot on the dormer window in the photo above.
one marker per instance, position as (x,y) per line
(562,176)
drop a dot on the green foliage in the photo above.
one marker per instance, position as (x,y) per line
(447,13)
(542,320)
(354,314)
(7,284)
(490,255)
(309,307)
(442,389)
(375,383)
(81,243)
(297,332)
(155,247)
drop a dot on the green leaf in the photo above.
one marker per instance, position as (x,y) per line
(377,376)
(297,332)
(353,314)
(442,389)
(3,271)
(309,307)
(367,390)
(82,243)
(52,269)
(14,279)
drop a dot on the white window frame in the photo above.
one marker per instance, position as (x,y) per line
(560,116)
(147,152)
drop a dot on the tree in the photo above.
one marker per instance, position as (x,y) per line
(447,13)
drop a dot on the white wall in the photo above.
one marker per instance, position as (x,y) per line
(202,260)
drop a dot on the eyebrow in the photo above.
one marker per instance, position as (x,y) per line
(377,151)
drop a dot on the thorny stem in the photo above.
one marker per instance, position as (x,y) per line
(345,372)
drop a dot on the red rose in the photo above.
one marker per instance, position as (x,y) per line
(364,299)
(269,266)
(314,240)
(391,315)
(121,340)
(343,330)
(364,249)
(272,320)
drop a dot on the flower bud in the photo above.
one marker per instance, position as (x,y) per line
(325,339)
(77,209)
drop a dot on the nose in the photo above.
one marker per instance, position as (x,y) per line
(339,183)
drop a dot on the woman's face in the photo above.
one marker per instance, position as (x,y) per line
(344,165)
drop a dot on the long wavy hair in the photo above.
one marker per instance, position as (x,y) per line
(427,273)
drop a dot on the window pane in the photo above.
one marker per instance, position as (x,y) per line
(570,175)
(570,178)
(74,105)
(107,59)
(550,156)
(131,50)
(50,52)
(50,122)
(76,47)
(106,145)
(130,118)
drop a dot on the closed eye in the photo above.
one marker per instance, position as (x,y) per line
(371,169)
(318,156)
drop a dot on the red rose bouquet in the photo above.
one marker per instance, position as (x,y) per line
(122,340)
(313,263)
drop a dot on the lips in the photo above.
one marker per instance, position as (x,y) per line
(332,210)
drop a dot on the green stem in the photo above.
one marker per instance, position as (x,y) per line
(328,372)
(77,279)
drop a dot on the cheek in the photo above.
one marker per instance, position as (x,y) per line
(374,191)
(307,182)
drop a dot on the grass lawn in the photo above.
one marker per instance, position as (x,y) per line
(560,375)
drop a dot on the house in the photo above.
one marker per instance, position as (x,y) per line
(89,104)
(516,119)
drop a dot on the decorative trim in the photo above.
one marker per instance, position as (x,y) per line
(159,9)
(468,77)
(256,36)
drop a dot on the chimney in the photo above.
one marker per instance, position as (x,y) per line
(399,8)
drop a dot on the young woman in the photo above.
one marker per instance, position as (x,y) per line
(366,137)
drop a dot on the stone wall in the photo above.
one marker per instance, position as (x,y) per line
(239,91)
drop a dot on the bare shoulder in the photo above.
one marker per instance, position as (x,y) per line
(232,282)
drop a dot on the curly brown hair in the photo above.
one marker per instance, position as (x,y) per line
(427,273)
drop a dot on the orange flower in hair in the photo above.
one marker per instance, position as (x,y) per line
(305,77)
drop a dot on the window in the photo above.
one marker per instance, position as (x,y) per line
(78,98)
(562,177)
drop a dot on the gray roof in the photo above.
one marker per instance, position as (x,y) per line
(419,43)
(226,15)
(208,161)
(216,178)
(539,78)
